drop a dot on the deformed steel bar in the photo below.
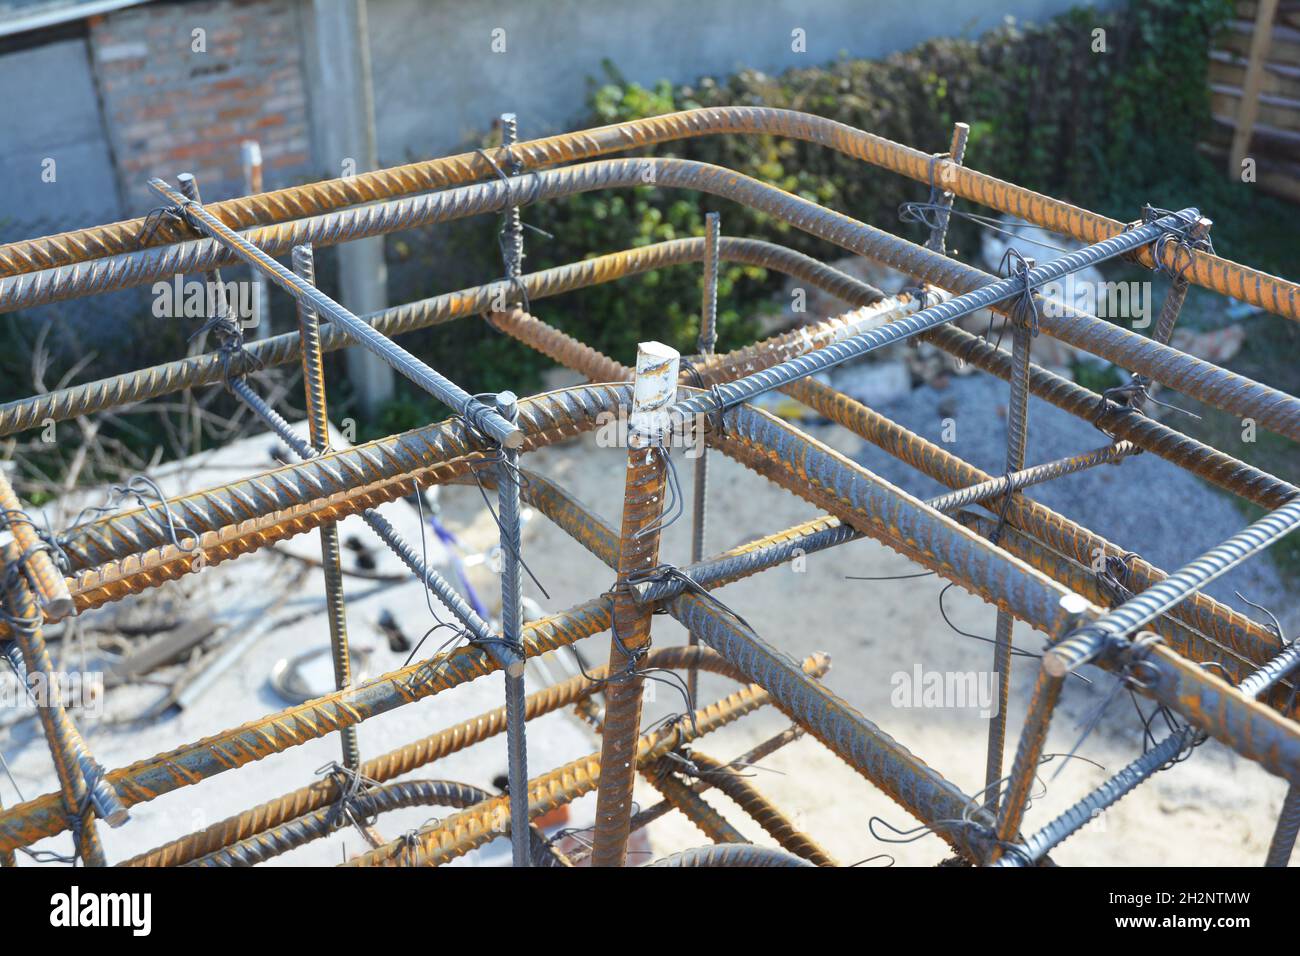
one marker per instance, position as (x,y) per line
(1219,622)
(1017,429)
(728,855)
(46,579)
(1099,800)
(956,154)
(751,386)
(209,368)
(412,756)
(313,377)
(1282,844)
(1029,752)
(191,763)
(986,491)
(883,761)
(429,576)
(645,479)
(643,818)
(1206,270)
(471,828)
(340,471)
(1186,640)
(1097,636)
(693,806)
(708,338)
(879,509)
(302,830)
(1273,409)
(512,624)
(763,812)
(432,381)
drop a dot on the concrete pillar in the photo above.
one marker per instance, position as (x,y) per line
(343,114)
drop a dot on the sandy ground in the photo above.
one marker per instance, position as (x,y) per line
(1213,809)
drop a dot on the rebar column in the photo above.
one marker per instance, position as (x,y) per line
(654,390)
(313,380)
(512,626)
(1017,435)
(708,340)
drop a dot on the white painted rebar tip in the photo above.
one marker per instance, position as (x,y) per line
(654,390)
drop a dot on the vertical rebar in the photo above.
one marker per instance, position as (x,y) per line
(1047,690)
(66,747)
(654,390)
(513,244)
(1288,819)
(1172,305)
(708,340)
(1288,825)
(956,153)
(1017,436)
(512,626)
(313,379)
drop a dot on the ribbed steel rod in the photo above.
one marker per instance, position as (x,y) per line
(750,387)
(412,756)
(728,855)
(208,368)
(1094,638)
(1017,435)
(1282,844)
(956,153)
(438,843)
(313,378)
(340,471)
(512,624)
(705,343)
(313,826)
(763,812)
(433,382)
(692,805)
(434,581)
(1103,798)
(1207,270)
(645,477)
(1273,410)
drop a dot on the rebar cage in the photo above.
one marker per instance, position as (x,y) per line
(1218,673)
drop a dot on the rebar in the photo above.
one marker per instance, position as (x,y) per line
(1216,672)
(653,390)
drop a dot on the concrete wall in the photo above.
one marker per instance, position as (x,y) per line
(50,112)
(438,81)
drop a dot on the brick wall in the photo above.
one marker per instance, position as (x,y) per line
(170,108)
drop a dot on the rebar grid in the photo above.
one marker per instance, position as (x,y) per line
(1026,560)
